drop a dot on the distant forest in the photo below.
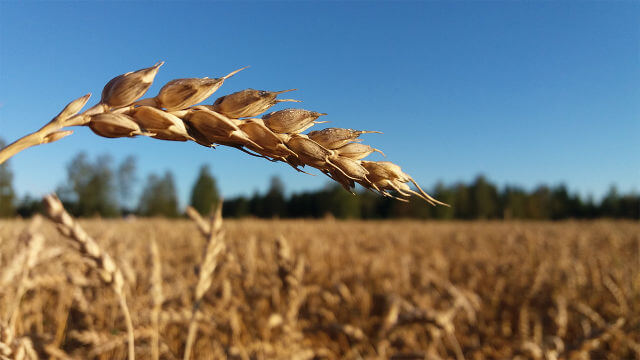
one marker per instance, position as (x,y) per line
(478,200)
(103,188)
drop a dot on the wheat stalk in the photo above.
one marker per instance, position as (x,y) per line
(101,261)
(215,246)
(156,296)
(174,114)
(35,244)
(290,272)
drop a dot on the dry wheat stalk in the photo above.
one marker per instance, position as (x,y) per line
(215,246)
(103,342)
(33,242)
(56,353)
(156,296)
(12,348)
(101,261)
(290,272)
(174,114)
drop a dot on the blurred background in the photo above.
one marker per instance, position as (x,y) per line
(503,110)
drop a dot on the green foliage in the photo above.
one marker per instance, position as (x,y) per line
(273,203)
(236,208)
(485,199)
(332,200)
(204,194)
(94,187)
(615,205)
(446,195)
(159,197)
(90,189)
(479,200)
(514,203)
(341,203)
(126,176)
(7,194)
(28,206)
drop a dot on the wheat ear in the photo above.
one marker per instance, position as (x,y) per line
(174,114)
(100,260)
(215,246)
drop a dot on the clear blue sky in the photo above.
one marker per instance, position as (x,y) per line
(524,92)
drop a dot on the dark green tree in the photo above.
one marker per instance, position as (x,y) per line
(484,199)
(159,197)
(256,204)
(236,208)
(204,193)
(610,206)
(629,206)
(273,203)
(514,203)
(463,204)
(29,206)
(7,195)
(446,195)
(368,205)
(560,203)
(126,179)
(90,188)
(341,203)
(538,204)
(304,205)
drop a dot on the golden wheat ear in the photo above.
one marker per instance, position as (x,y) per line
(174,114)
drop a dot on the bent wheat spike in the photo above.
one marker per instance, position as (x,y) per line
(174,115)
(215,246)
(100,261)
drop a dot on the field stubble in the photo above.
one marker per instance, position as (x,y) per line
(329,289)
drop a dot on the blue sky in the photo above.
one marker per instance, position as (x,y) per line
(524,92)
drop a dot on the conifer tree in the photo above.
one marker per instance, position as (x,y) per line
(204,194)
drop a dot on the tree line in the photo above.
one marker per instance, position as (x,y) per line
(479,199)
(101,187)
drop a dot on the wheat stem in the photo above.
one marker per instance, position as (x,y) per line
(101,261)
(42,136)
(215,246)
(157,298)
(127,318)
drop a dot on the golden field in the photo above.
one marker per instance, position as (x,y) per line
(286,289)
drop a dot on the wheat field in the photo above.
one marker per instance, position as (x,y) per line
(326,289)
